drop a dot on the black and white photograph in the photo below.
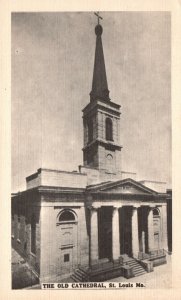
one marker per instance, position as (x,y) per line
(91,202)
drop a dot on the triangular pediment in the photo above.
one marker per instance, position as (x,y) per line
(126,186)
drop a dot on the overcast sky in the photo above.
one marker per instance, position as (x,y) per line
(52,68)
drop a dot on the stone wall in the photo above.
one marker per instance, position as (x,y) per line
(48,177)
(101,126)
(52,250)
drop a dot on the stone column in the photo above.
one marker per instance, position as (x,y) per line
(143,241)
(150,230)
(115,234)
(94,235)
(164,227)
(135,240)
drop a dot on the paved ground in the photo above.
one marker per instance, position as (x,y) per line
(160,278)
(22,276)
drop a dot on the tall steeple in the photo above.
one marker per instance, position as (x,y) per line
(101,120)
(99,82)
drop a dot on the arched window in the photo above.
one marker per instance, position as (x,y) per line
(109,133)
(66,216)
(90,131)
(156,212)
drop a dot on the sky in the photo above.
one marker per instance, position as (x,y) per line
(52,69)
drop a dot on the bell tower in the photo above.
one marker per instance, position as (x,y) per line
(101,119)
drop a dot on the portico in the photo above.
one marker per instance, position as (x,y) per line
(124,226)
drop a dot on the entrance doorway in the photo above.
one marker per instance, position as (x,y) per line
(125,230)
(143,228)
(105,232)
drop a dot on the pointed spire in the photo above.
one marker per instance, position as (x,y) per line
(99,82)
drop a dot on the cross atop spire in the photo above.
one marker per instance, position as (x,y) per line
(99,81)
(98,17)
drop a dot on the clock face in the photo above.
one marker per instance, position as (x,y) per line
(109,157)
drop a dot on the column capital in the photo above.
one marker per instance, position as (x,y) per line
(135,206)
(93,208)
(152,206)
(117,206)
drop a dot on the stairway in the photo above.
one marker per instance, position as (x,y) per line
(106,270)
(79,275)
(138,270)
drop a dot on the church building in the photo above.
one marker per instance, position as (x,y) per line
(99,222)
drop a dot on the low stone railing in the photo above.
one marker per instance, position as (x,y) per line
(147,265)
(158,252)
(152,259)
(151,254)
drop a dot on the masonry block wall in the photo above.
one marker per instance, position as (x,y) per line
(61,239)
(102,128)
(57,178)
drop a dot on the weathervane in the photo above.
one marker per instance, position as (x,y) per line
(98,17)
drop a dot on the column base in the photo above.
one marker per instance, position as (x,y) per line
(135,255)
(115,259)
(94,262)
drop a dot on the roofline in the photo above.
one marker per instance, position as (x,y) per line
(56,189)
(114,183)
(34,175)
(152,181)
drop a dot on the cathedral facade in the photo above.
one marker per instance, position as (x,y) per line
(96,223)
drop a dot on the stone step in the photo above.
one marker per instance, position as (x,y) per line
(138,270)
(139,274)
(81,272)
(133,265)
(136,267)
(78,276)
(83,277)
(75,279)
(83,269)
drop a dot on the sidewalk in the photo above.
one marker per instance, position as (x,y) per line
(160,278)
(22,275)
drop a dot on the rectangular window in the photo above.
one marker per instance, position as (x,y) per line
(66,257)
